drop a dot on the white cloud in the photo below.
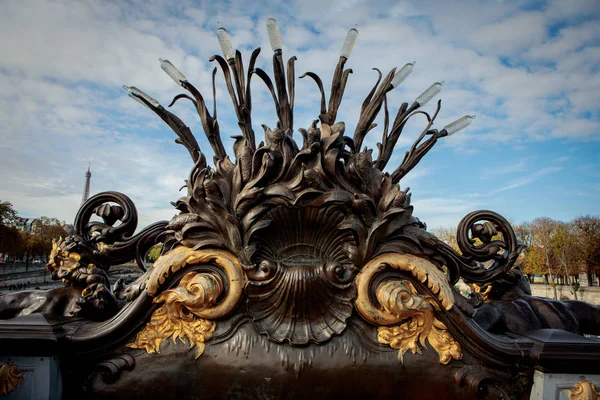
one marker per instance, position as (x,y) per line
(527,179)
(570,39)
(64,62)
(437,211)
(512,35)
(559,9)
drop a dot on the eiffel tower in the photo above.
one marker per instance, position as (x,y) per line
(86,187)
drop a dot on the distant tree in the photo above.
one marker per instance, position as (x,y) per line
(38,246)
(44,230)
(542,230)
(48,228)
(11,241)
(38,243)
(8,215)
(154,253)
(524,234)
(565,246)
(446,235)
(532,262)
(588,233)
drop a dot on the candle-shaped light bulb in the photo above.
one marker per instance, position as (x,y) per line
(138,95)
(429,93)
(349,43)
(273,31)
(173,72)
(225,43)
(403,74)
(459,124)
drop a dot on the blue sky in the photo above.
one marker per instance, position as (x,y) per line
(529,70)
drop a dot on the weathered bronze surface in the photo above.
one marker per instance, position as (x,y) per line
(297,271)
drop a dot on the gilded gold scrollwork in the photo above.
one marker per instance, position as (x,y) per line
(189,310)
(583,390)
(62,260)
(484,294)
(10,378)
(406,319)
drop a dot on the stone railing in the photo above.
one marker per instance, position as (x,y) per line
(591,294)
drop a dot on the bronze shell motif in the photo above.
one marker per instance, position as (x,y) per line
(303,289)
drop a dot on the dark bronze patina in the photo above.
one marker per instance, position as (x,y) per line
(297,271)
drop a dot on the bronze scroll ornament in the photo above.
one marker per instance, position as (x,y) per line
(405,318)
(189,310)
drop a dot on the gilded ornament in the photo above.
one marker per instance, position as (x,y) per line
(427,273)
(10,378)
(62,261)
(179,257)
(583,390)
(188,310)
(405,318)
(178,317)
(485,293)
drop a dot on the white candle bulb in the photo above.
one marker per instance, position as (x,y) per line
(403,74)
(138,95)
(273,31)
(429,93)
(173,72)
(349,43)
(459,124)
(225,43)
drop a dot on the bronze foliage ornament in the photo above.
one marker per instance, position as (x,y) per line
(307,243)
(10,378)
(303,218)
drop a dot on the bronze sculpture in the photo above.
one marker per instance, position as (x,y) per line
(297,266)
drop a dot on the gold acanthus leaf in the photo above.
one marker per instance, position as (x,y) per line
(400,299)
(10,378)
(189,310)
(406,319)
(583,390)
(178,317)
(62,260)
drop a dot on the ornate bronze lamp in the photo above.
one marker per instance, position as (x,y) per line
(299,270)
